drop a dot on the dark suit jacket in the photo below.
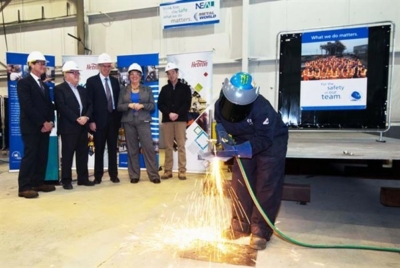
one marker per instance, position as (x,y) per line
(97,94)
(68,110)
(35,107)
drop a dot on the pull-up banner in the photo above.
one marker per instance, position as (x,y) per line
(17,64)
(197,70)
(149,64)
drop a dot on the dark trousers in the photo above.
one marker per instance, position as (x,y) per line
(266,177)
(33,166)
(78,144)
(109,135)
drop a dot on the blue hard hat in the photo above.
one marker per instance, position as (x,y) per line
(240,89)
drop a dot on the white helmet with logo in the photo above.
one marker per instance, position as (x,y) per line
(171,66)
(135,67)
(70,66)
(104,58)
(36,55)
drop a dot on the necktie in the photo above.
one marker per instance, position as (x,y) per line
(41,86)
(108,94)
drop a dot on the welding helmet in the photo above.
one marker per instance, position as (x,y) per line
(237,97)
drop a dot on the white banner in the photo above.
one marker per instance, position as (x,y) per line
(196,69)
(189,13)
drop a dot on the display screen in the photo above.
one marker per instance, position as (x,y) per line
(335,78)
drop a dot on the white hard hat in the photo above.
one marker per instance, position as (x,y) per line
(135,67)
(171,66)
(104,58)
(36,55)
(70,66)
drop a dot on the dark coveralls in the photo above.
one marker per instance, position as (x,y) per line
(268,136)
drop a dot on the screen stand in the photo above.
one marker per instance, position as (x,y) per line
(381,137)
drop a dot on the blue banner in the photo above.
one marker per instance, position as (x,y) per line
(333,35)
(17,63)
(149,64)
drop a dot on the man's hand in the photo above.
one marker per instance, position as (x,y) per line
(82,120)
(92,126)
(173,116)
(47,127)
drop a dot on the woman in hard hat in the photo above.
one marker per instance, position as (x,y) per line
(136,102)
(260,138)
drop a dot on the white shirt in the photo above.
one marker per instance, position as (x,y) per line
(78,97)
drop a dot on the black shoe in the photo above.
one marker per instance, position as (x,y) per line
(44,188)
(28,194)
(86,183)
(156,181)
(67,186)
(257,242)
(97,181)
(115,180)
(134,180)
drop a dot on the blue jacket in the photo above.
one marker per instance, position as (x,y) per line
(263,127)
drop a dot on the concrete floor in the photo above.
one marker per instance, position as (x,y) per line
(116,225)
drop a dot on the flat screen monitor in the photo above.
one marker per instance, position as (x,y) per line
(336,78)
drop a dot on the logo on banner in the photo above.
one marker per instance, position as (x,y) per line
(199,63)
(91,66)
(16,155)
(204,16)
(204,5)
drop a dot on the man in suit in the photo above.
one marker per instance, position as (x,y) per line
(36,123)
(74,109)
(105,120)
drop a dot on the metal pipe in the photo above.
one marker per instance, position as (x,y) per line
(245,35)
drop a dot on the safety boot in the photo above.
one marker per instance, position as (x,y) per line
(231,234)
(182,176)
(166,175)
(257,242)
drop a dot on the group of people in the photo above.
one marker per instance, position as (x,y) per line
(247,126)
(333,67)
(100,108)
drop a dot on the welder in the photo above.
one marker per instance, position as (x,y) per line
(248,126)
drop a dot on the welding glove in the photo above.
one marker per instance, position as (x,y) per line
(222,135)
(242,150)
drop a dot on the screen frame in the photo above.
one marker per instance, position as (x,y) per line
(390,60)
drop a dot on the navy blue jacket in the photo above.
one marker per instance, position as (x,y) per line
(263,127)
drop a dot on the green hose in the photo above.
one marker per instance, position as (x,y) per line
(288,239)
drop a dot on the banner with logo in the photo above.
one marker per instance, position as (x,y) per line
(149,64)
(334,69)
(189,13)
(196,69)
(17,68)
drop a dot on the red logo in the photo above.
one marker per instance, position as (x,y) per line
(91,66)
(199,63)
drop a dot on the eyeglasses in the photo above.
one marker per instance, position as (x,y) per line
(106,66)
(40,62)
(74,72)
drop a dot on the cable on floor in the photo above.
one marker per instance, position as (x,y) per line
(293,241)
